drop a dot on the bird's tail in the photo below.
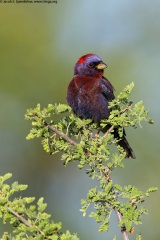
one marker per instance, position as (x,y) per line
(122,142)
(125,145)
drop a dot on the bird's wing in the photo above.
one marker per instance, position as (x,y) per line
(107,89)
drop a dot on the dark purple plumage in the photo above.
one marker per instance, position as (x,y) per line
(89,93)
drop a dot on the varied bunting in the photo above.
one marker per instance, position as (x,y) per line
(89,93)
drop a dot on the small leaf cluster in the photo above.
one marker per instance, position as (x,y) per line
(29,220)
(90,145)
(127,200)
(124,114)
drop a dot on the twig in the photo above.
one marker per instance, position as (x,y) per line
(64,136)
(119,215)
(22,219)
(123,229)
(108,131)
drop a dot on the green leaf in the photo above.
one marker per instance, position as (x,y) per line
(41,206)
(104,226)
(61,108)
(118,187)
(139,237)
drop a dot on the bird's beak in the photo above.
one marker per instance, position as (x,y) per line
(101,65)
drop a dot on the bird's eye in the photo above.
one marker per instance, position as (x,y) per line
(90,65)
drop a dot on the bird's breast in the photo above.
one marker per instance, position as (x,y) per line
(86,98)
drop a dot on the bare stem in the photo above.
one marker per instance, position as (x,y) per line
(61,134)
(108,131)
(22,219)
(123,229)
(119,215)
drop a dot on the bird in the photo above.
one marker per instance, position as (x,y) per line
(89,94)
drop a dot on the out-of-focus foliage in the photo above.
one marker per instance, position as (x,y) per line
(29,220)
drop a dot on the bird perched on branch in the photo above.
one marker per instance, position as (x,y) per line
(89,93)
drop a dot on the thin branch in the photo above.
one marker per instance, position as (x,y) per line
(119,215)
(22,219)
(108,131)
(61,134)
(123,229)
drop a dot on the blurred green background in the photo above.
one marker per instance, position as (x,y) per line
(39,45)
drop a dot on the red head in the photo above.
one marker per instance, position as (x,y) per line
(89,65)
